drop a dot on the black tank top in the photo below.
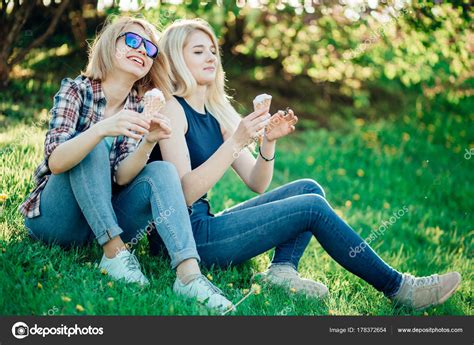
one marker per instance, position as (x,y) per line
(203,137)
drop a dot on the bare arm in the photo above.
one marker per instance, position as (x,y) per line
(256,172)
(70,153)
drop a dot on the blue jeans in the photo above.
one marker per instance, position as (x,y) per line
(285,219)
(78,206)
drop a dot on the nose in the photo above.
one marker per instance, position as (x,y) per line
(211,57)
(141,49)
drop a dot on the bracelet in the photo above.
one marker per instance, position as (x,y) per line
(266,159)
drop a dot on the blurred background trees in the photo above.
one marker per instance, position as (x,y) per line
(351,58)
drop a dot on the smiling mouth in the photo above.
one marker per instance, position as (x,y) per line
(137,60)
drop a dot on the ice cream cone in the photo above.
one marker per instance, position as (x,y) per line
(154,100)
(260,102)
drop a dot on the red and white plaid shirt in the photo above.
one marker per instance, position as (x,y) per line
(78,105)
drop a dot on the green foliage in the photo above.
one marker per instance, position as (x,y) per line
(425,46)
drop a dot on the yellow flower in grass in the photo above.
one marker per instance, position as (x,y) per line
(209,276)
(79,308)
(256,289)
(245,291)
(3,197)
(356,197)
(348,203)
(110,284)
(230,285)
(405,137)
(386,205)
(310,160)
(66,299)
(360,172)
(39,285)
(359,122)
(103,271)
(293,290)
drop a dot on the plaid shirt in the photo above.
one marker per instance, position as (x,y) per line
(78,105)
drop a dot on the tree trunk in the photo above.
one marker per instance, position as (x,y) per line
(4,73)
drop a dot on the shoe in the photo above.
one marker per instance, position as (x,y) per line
(424,292)
(287,277)
(125,266)
(205,292)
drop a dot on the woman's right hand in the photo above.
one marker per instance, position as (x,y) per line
(125,122)
(249,126)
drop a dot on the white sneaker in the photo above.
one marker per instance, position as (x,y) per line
(205,292)
(423,292)
(288,278)
(125,266)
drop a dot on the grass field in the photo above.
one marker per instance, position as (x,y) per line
(368,170)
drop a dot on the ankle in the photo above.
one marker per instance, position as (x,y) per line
(187,269)
(113,247)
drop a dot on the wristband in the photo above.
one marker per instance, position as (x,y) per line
(266,159)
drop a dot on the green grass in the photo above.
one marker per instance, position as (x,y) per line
(368,170)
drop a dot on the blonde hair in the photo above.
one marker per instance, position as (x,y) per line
(217,101)
(102,54)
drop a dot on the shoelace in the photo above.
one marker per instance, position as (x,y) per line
(423,281)
(131,262)
(209,286)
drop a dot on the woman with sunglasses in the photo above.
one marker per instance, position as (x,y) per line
(98,139)
(208,137)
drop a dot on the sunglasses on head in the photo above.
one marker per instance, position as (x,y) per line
(134,41)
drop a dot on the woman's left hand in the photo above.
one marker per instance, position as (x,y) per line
(280,125)
(160,128)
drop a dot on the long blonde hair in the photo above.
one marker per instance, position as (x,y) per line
(217,101)
(103,49)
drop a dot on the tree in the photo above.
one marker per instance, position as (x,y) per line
(13,16)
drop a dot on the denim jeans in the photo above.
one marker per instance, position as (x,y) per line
(285,219)
(78,206)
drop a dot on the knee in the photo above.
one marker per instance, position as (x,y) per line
(310,186)
(308,206)
(161,170)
